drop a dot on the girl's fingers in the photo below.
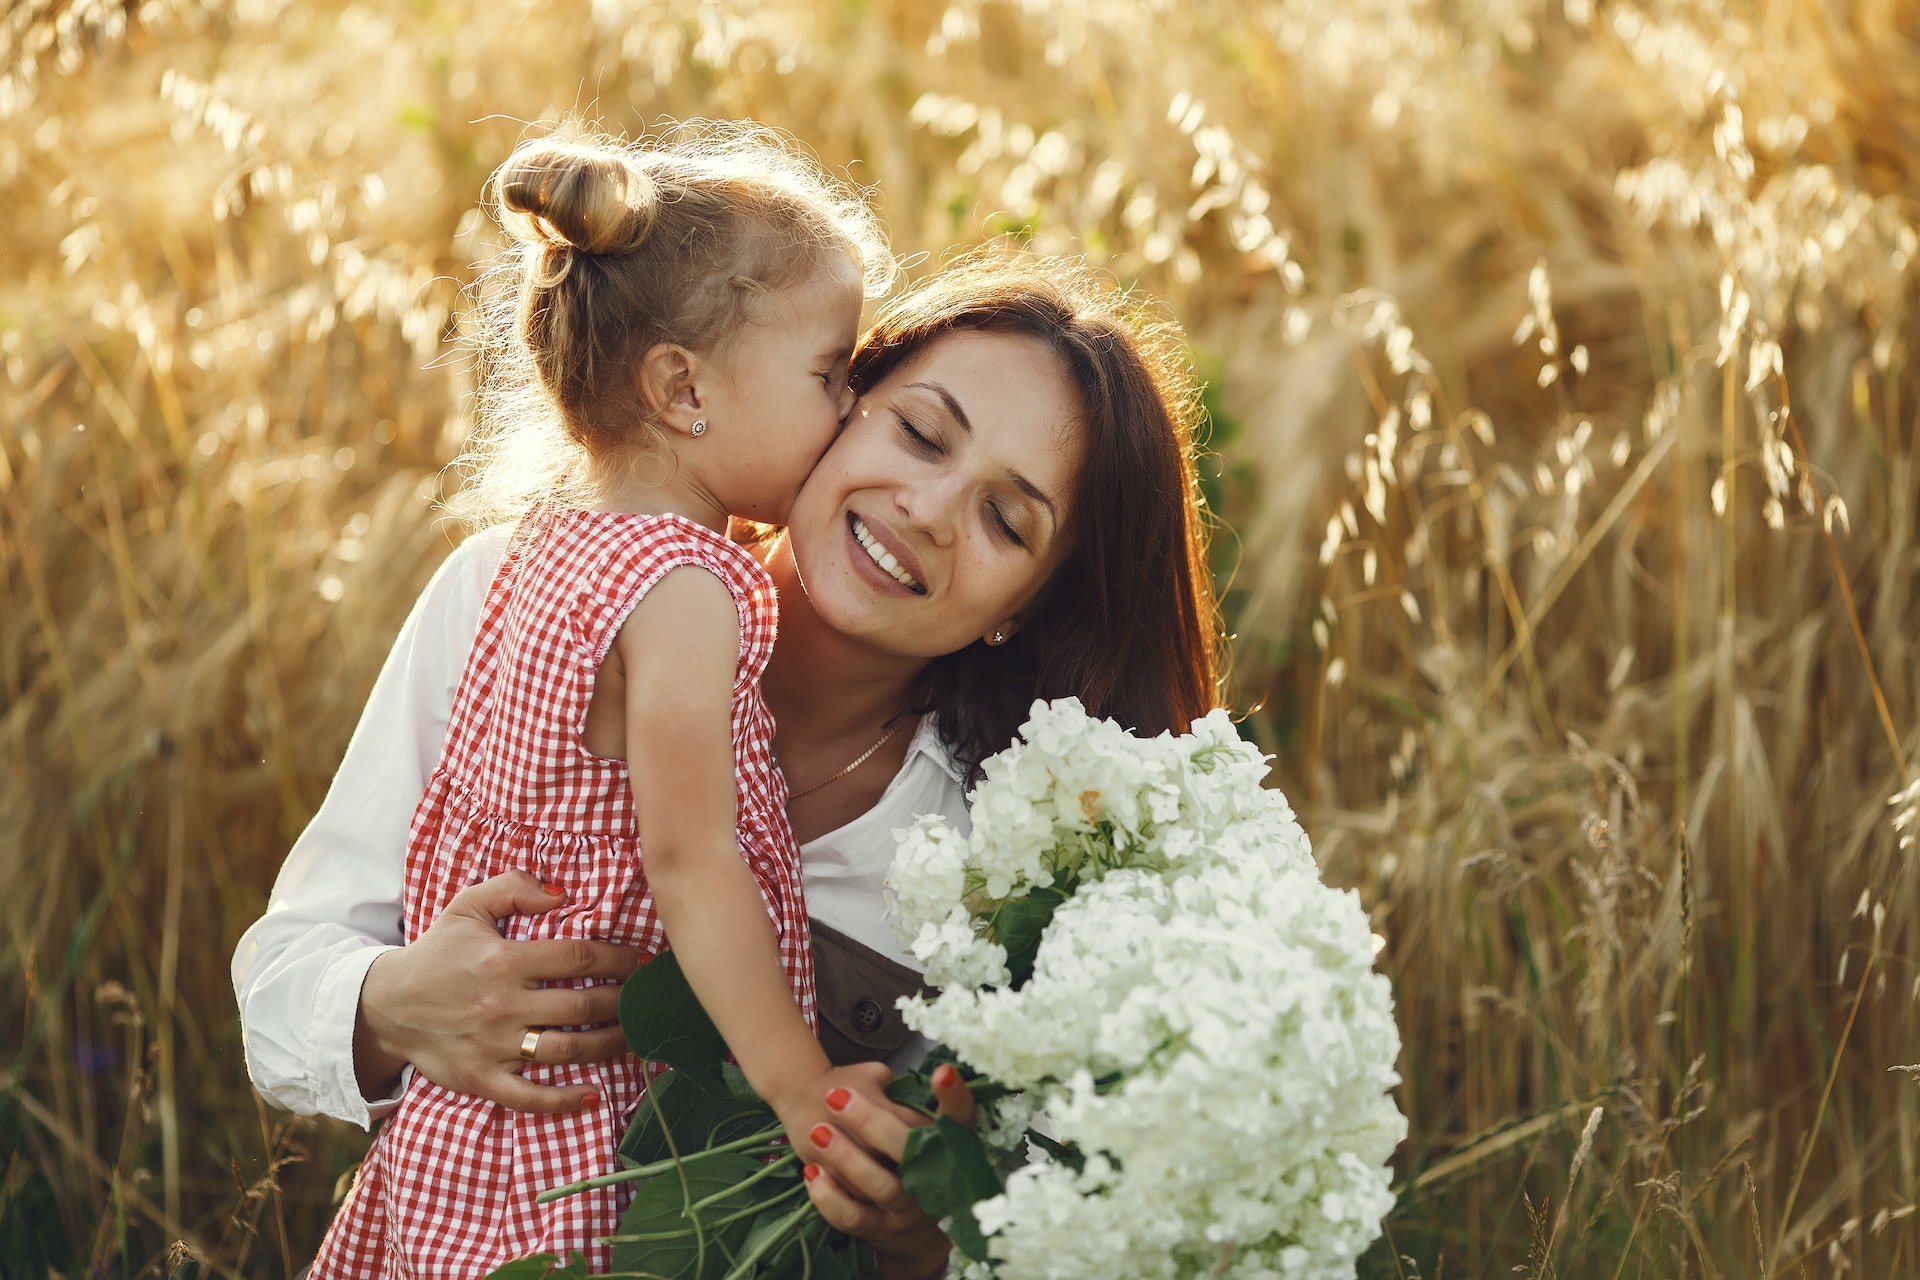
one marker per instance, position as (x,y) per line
(956,1100)
(879,1127)
(858,1174)
(842,1211)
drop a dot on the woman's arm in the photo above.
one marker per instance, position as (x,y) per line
(320,1034)
(335,907)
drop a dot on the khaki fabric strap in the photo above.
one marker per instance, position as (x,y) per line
(857,988)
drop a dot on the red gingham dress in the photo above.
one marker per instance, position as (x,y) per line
(448,1187)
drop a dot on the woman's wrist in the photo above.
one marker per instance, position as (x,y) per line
(376,1063)
(927,1260)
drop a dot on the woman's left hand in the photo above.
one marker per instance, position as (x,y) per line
(856,1183)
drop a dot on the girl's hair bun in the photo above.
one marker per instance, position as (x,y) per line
(559,195)
(615,247)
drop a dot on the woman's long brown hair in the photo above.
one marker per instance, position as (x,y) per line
(1127,623)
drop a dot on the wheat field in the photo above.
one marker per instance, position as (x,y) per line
(1561,369)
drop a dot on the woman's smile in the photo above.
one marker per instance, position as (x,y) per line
(878,549)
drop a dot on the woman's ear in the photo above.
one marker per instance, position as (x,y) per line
(670,387)
(1002,632)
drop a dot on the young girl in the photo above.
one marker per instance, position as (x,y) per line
(688,312)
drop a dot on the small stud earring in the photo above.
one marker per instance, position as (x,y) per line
(998,637)
(699,427)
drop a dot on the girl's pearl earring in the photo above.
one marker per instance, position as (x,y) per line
(699,427)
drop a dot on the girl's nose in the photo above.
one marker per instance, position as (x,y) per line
(846,402)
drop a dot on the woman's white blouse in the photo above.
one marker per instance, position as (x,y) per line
(336,904)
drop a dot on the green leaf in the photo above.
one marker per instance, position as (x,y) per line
(672,1098)
(1018,925)
(831,1259)
(736,1082)
(915,1089)
(696,1117)
(541,1266)
(683,1247)
(1072,1157)
(664,1022)
(534,1268)
(775,1248)
(947,1171)
(733,1119)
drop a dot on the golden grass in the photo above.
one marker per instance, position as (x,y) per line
(1591,665)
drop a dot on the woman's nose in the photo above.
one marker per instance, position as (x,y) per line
(931,507)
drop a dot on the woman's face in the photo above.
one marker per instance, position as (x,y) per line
(943,506)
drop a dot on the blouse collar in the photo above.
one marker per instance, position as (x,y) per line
(928,742)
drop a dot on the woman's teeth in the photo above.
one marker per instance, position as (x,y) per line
(883,557)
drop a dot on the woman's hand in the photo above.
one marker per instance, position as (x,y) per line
(459,999)
(855,1183)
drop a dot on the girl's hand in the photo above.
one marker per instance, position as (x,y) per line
(459,999)
(855,1182)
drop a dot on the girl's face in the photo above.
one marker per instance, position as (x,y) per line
(776,393)
(943,507)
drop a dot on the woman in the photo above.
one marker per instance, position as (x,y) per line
(1010,513)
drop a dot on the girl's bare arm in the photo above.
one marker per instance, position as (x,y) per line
(679,650)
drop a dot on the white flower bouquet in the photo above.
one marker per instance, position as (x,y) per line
(1135,938)
(1180,1047)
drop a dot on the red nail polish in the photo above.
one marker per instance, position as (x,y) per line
(821,1135)
(553,891)
(591,1100)
(837,1099)
(945,1076)
(810,1172)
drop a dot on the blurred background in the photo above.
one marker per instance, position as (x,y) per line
(1561,372)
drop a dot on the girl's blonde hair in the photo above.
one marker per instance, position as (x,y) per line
(613,248)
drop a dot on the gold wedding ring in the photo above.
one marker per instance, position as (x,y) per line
(530,1045)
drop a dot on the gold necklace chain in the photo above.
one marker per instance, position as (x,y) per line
(858,760)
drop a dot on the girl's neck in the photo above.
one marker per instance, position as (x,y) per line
(820,684)
(619,487)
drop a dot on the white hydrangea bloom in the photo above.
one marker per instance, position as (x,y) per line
(1077,797)
(1222,1040)
(1202,1020)
(952,954)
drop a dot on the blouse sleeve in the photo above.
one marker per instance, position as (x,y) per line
(336,905)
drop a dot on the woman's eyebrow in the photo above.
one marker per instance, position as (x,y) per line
(1034,491)
(959,415)
(954,410)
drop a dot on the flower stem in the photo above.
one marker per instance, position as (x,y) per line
(752,1210)
(777,1237)
(762,1172)
(648,1170)
(758,1207)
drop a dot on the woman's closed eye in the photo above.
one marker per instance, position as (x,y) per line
(1005,526)
(917,438)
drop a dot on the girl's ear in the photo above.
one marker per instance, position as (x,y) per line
(669,377)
